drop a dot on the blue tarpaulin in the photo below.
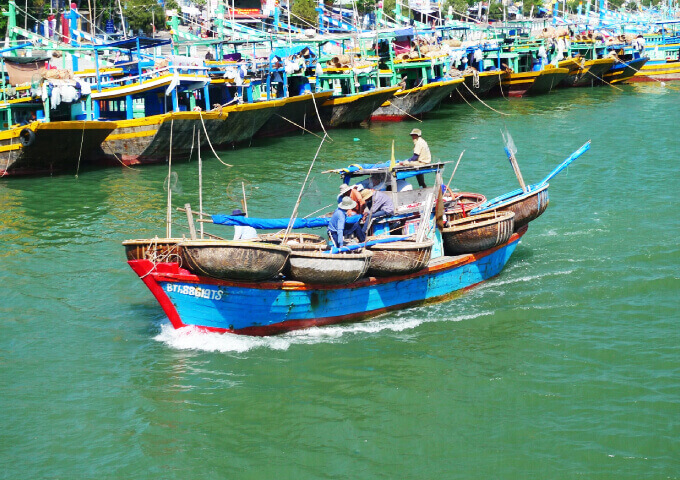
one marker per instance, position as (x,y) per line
(402,175)
(284,52)
(277,223)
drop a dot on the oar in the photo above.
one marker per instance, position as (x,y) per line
(565,164)
(510,152)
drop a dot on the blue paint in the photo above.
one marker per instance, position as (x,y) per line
(236,307)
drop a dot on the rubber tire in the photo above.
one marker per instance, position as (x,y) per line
(27,137)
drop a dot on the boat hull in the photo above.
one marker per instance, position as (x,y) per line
(53,147)
(295,112)
(354,109)
(147,140)
(415,101)
(263,308)
(591,73)
(658,71)
(486,81)
(533,83)
(624,71)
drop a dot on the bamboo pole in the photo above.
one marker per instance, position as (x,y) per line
(297,204)
(245,201)
(190,219)
(454,169)
(200,182)
(168,216)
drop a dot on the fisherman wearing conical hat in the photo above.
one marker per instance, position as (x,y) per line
(421,153)
(338,229)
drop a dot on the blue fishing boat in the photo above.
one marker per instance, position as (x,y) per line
(279,303)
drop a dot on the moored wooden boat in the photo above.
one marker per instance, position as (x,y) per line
(533,82)
(328,268)
(399,258)
(623,71)
(354,109)
(51,147)
(234,260)
(478,232)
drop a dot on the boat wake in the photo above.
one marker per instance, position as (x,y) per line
(192,338)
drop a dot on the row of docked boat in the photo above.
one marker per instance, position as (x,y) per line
(139,100)
(435,242)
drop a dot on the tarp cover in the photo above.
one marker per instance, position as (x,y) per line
(284,52)
(276,223)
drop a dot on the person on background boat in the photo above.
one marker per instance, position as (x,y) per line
(421,153)
(338,228)
(377,181)
(353,193)
(378,205)
(243,232)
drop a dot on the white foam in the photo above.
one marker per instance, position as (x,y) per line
(191,338)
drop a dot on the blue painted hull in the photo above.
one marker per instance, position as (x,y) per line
(264,308)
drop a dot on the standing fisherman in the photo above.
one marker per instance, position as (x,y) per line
(421,153)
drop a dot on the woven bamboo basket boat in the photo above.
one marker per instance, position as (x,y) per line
(463,202)
(234,260)
(298,241)
(399,258)
(154,249)
(527,207)
(478,232)
(327,268)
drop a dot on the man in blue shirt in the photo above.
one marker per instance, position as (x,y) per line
(338,229)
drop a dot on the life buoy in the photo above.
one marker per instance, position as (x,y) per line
(27,137)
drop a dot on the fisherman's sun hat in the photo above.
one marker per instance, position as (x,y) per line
(366,193)
(237,213)
(416,131)
(344,188)
(347,204)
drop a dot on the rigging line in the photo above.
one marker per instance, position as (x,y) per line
(80,153)
(483,103)
(405,112)
(200,114)
(465,99)
(299,126)
(116,157)
(319,117)
(605,81)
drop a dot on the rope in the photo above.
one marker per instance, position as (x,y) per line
(465,100)
(116,157)
(200,114)
(405,112)
(80,153)
(193,135)
(483,103)
(299,126)
(603,80)
(319,117)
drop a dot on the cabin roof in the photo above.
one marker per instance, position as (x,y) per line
(131,43)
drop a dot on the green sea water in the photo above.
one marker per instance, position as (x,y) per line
(566,365)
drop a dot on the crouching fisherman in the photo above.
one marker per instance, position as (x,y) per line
(378,205)
(338,228)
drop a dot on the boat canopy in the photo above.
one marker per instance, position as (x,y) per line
(276,223)
(134,43)
(401,171)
